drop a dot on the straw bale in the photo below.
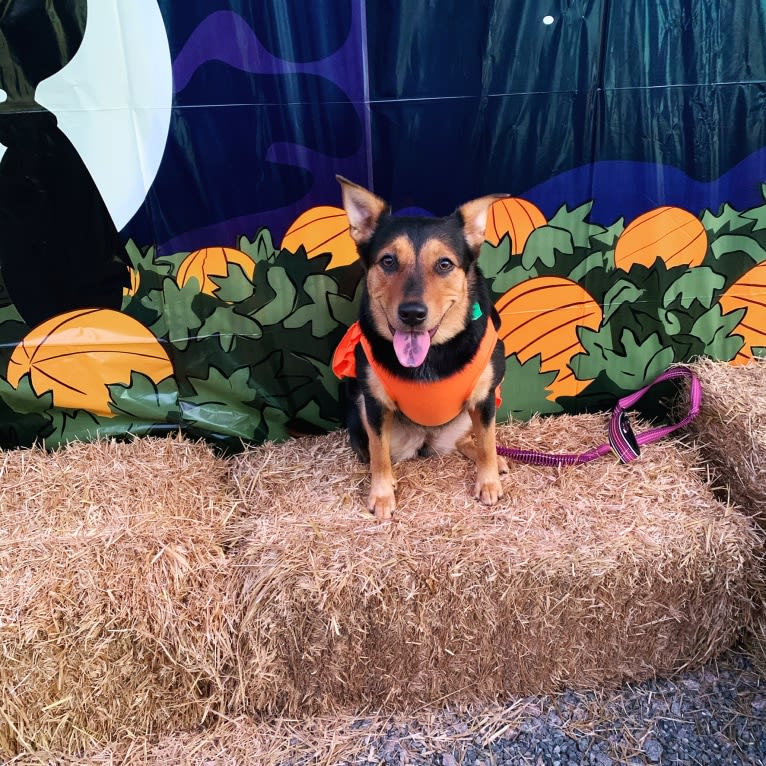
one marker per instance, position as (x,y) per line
(580,577)
(321,741)
(107,625)
(730,431)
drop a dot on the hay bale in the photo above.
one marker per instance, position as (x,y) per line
(730,429)
(336,739)
(107,622)
(581,577)
(151,587)
(730,433)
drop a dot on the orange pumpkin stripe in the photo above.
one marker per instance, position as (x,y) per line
(514,216)
(541,317)
(546,329)
(316,250)
(313,221)
(322,229)
(671,234)
(748,293)
(679,256)
(77,355)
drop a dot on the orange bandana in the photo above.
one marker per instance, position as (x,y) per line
(427,403)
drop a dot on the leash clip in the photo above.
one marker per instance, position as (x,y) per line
(622,439)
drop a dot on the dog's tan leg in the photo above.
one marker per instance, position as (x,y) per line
(381,500)
(488,487)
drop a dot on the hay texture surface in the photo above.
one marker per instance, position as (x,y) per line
(731,429)
(150,587)
(731,433)
(106,551)
(580,577)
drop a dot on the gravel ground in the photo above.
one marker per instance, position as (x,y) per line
(713,715)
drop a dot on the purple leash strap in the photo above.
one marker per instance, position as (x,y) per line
(622,441)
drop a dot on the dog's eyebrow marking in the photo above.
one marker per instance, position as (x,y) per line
(436,248)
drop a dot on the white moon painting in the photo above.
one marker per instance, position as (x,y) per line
(113,100)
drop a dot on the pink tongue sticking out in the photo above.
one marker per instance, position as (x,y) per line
(411,347)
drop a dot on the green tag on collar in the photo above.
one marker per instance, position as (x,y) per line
(476,311)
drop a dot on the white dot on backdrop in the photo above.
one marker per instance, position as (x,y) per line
(548,20)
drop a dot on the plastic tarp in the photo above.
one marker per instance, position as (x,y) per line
(172,249)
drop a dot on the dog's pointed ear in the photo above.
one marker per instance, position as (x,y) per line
(475,214)
(363,209)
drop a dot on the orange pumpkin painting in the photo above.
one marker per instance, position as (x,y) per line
(321,230)
(77,355)
(515,217)
(210,262)
(671,234)
(541,316)
(748,292)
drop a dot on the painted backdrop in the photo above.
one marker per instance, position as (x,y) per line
(173,254)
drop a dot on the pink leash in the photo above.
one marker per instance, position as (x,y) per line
(622,441)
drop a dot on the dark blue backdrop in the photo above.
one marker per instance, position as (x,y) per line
(629,105)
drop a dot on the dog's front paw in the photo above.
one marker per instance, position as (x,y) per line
(489,489)
(381,501)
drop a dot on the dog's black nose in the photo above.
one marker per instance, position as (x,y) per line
(413,312)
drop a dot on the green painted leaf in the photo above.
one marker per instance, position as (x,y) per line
(78,425)
(177,320)
(261,248)
(737,243)
(728,220)
(670,321)
(543,244)
(599,349)
(576,223)
(758,216)
(145,258)
(494,258)
(621,292)
(642,363)
(609,236)
(593,261)
(275,421)
(12,330)
(219,404)
(524,390)
(312,413)
(327,377)
(629,368)
(227,325)
(508,279)
(714,329)
(145,400)
(698,283)
(343,310)
(235,287)
(23,398)
(283,303)
(316,313)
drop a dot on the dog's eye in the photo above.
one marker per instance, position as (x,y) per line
(444,265)
(387,262)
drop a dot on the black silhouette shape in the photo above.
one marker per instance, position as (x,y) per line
(59,248)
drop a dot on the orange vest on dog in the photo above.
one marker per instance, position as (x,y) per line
(427,403)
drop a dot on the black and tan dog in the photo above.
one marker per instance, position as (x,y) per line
(424,360)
